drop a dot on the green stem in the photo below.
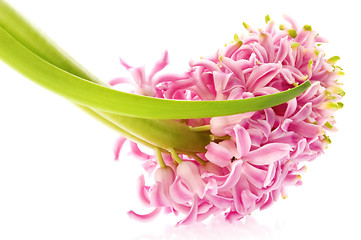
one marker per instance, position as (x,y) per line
(175,156)
(159,156)
(203,128)
(198,159)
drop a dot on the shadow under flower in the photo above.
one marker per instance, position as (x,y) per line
(218,228)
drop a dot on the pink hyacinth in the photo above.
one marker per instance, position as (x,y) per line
(254,156)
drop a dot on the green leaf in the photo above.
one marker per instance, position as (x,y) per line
(165,134)
(109,100)
(37,42)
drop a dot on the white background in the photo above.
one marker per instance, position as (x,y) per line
(58,179)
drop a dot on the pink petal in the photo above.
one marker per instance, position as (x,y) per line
(243,140)
(211,168)
(292,180)
(262,75)
(234,67)
(233,177)
(157,196)
(203,216)
(287,75)
(218,178)
(220,83)
(270,116)
(231,146)
(231,49)
(165,176)
(135,151)
(233,216)
(142,191)
(262,126)
(160,65)
(310,92)
(144,217)
(237,190)
(138,74)
(260,53)
(118,146)
(219,125)
(204,207)
(271,174)
(126,65)
(206,64)
(192,215)
(182,208)
(308,130)
(149,166)
(119,80)
(256,137)
(270,28)
(179,193)
(296,74)
(248,200)
(266,41)
(268,153)
(190,176)
(255,175)
(244,199)
(303,113)
(291,107)
(178,86)
(291,21)
(218,154)
(219,201)
(170,77)
(272,197)
(283,50)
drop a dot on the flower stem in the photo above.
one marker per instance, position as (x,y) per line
(198,159)
(175,156)
(203,128)
(159,156)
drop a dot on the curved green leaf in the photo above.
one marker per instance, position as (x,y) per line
(36,41)
(154,133)
(41,45)
(109,100)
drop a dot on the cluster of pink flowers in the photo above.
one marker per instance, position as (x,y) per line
(255,156)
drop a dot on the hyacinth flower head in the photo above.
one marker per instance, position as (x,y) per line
(228,135)
(253,157)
